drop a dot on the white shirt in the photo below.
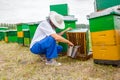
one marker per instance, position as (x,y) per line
(44,29)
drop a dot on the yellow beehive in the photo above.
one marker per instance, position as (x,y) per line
(109,37)
(106,52)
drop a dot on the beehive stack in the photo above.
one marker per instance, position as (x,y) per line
(11,35)
(20,33)
(2,32)
(105,34)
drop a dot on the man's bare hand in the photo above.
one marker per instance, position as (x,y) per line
(68,29)
(64,31)
(70,43)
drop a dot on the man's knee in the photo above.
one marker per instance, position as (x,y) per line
(51,41)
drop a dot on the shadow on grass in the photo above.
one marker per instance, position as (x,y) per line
(66,59)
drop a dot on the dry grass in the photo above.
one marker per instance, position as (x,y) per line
(18,63)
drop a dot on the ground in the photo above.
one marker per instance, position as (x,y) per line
(18,63)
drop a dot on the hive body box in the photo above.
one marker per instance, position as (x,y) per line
(79,37)
(104,4)
(11,36)
(60,8)
(2,32)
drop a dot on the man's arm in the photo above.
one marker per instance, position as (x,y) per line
(61,39)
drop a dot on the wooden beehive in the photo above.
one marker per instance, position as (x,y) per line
(80,37)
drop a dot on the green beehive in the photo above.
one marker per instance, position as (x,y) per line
(2,32)
(19,27)
(12,32)
(26,37)
(69,21)
(20,40)
(32,27)
(26,33)
(12,39)
(103,4)
(22,26)
(2,35)
(101,21)
(20,34)
(60,8)
(3,28)
(12,35)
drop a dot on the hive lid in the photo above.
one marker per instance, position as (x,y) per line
(11,30)
(29,23)
(3,31)
(113,10)
(70,18)
(78,30)
(4,27)
(25,29)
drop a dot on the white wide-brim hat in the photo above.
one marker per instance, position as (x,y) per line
(57,20)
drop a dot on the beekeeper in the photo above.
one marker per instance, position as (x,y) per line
(45,38)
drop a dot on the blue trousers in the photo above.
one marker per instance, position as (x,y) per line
(48,47)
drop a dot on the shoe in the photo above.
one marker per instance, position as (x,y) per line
(53,62)
(42,57)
